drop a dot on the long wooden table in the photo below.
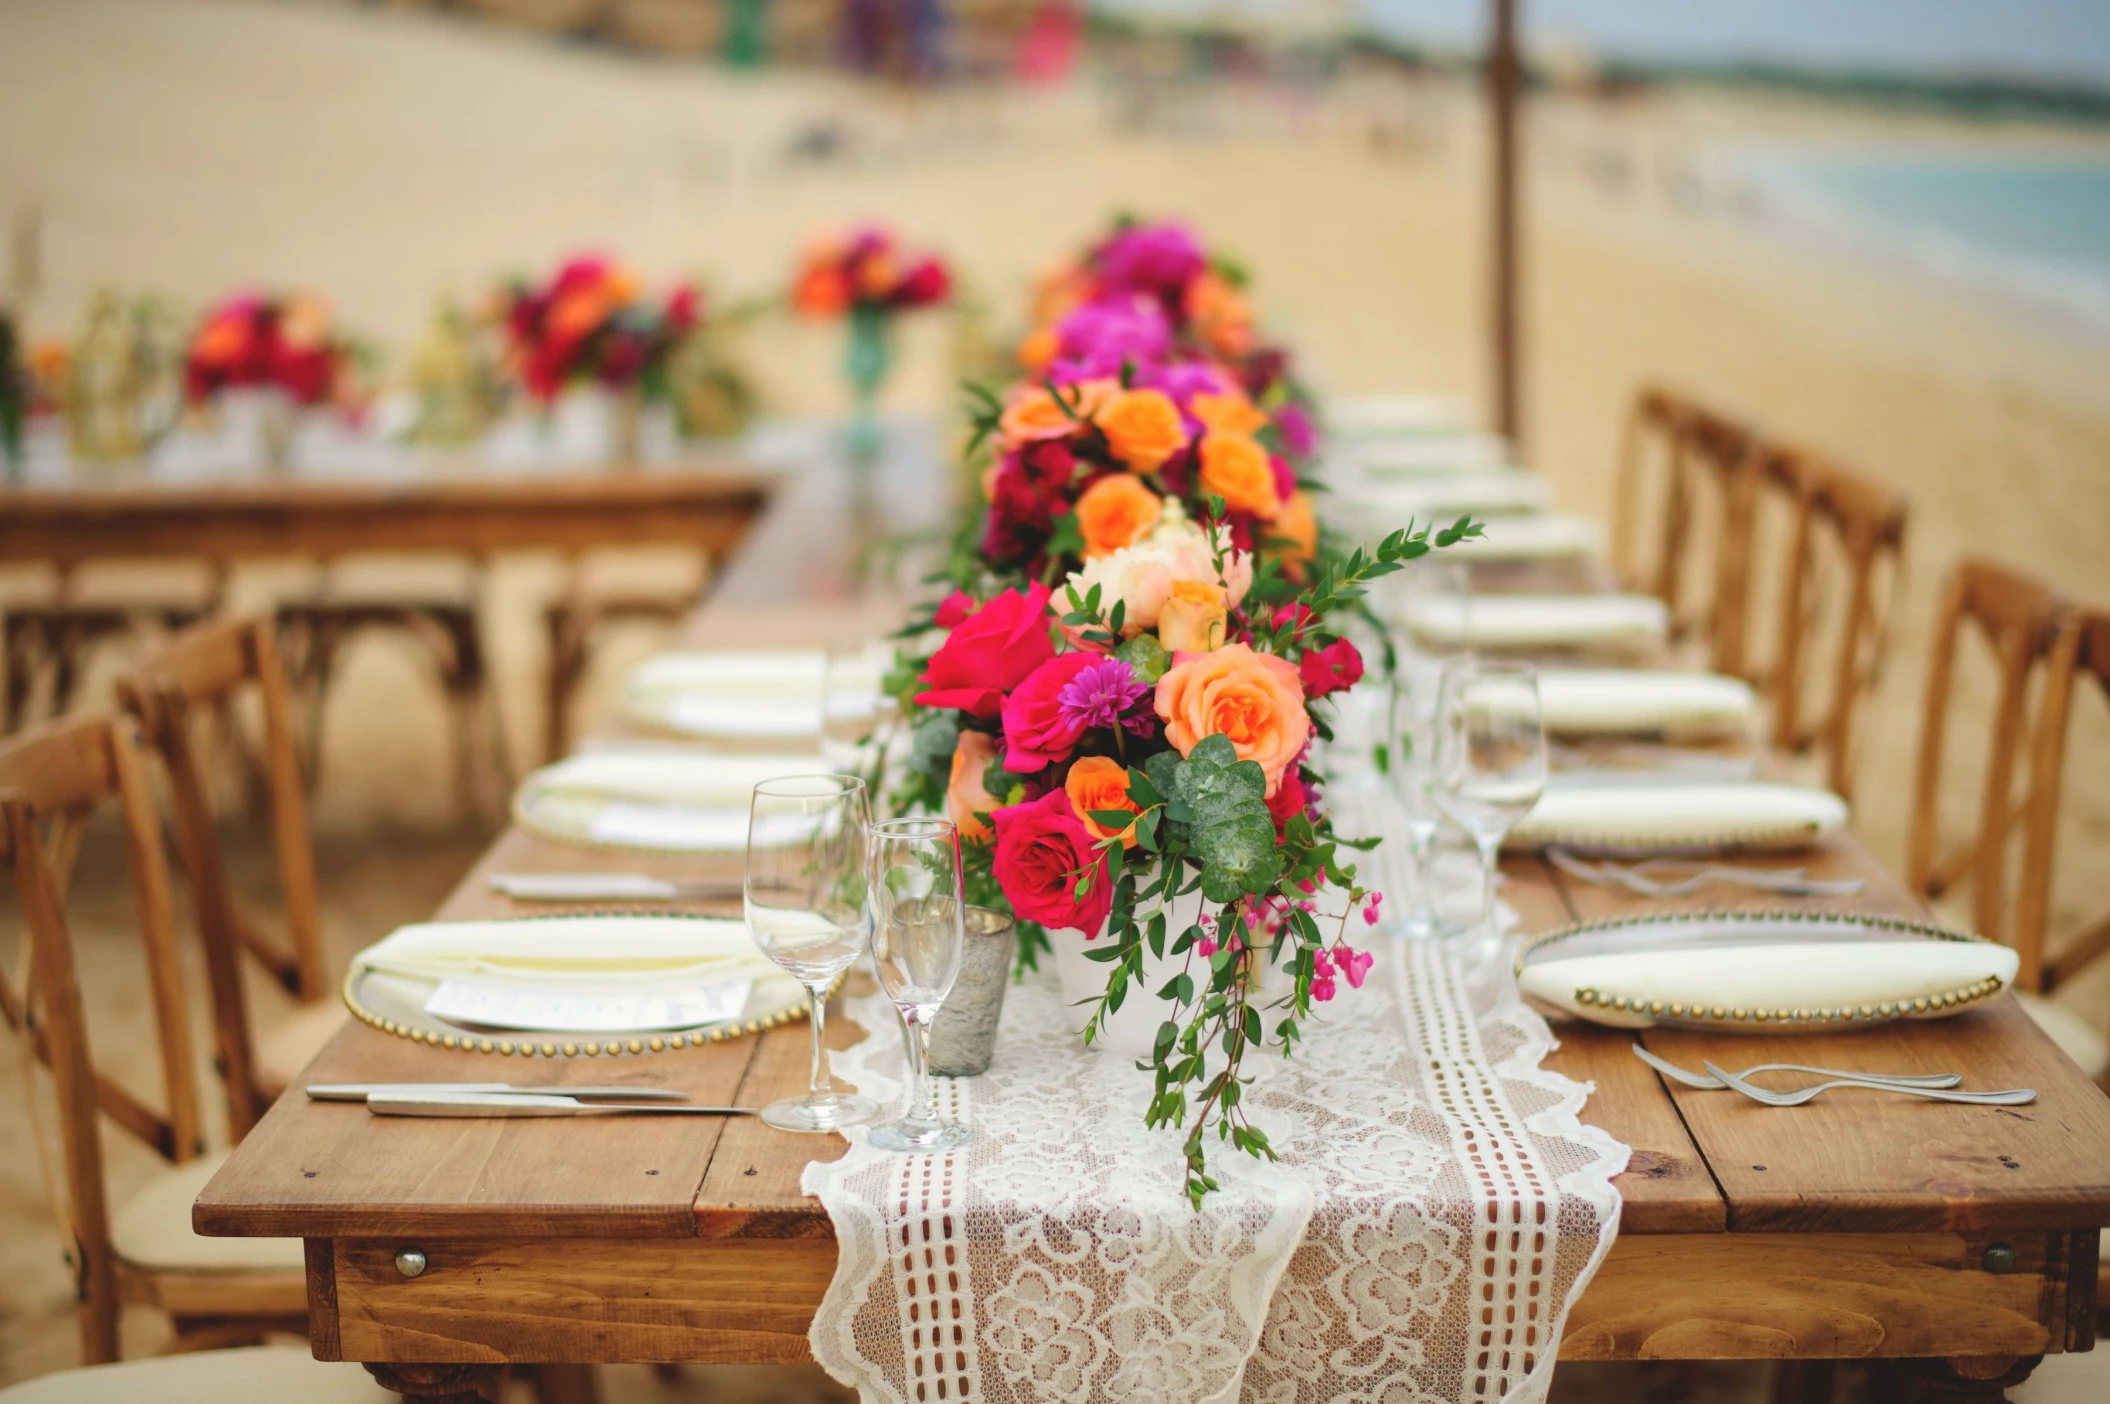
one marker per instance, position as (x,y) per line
(235,519)
(1960,1240)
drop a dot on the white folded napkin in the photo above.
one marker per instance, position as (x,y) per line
(646,798)
(1356,416)
(1652,817)
(753,695)
(1541,621)
(1772,975)
(1629,701)
(1546,536)
(601,951)
(1487,492)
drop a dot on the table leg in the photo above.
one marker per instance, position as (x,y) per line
(1968,1379)
(439,1384)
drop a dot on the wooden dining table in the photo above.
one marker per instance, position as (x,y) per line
(1958,1241)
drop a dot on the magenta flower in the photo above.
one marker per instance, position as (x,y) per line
(1104,693)
(1353,964)
(1151,258)
(1104,334)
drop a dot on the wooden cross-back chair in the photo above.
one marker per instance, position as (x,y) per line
(216,1291)
(201,673)
(2036,644)
(1703,453)
(1861,525)
(2080,654)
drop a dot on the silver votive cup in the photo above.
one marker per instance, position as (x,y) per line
(963,1039)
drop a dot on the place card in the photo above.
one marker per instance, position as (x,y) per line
(480,1005)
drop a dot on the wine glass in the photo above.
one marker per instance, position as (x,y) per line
(918,934)
(1410,768)
(805,903)
(1427,608)
(1490,756)
(849,707)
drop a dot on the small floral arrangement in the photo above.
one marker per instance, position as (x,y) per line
(866,271)
(591,324)
(1139,650)
(261,340)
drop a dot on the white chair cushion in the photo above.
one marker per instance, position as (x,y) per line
(209,1377)
(2077,1038)
(152,1230)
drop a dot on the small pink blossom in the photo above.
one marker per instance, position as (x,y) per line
(1205,948)
(1353,964)
(1322,988)
(1370,910)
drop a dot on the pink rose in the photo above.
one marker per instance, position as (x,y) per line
(954,610)
(1037,727)
(1041,850)
(990,653)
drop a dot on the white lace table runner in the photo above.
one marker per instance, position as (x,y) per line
(1436,1207)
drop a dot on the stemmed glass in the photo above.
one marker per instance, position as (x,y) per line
(1410,767)
(918,933)
(1490,757)
(805,903)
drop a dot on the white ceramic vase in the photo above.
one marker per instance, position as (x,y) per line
(1132,1029)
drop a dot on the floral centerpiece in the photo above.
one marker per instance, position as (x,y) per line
(260,356)
(255,341)
(1141,647)
(865,277)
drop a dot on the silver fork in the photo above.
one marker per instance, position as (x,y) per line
(1703,1083)
(2013,1097)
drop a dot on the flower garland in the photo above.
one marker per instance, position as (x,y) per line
(1138,652)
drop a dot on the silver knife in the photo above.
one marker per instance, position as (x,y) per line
(484,1104)
(608,887)
(366,1091)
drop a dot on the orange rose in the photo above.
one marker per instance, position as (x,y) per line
(1097,782)
(1143,428)
(1229,414)
(1253,698)
(1220,315)
(964,796)
(1115,512)
(1297,525)
(1034,414)
(1037,352)
(1238,470)
(1192,618)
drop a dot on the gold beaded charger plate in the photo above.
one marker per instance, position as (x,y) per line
(1757,971)
(392,984)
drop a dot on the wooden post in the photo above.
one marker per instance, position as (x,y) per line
(1503,90)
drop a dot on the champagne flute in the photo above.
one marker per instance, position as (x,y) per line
(1490,757)
(918,934)
(805,904)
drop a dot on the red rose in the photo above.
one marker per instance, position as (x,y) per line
(1289,800)
(1334,668)
(1037,728)
(953,610)
(1299,613)
(926,283)
(1041,849)
(989,654)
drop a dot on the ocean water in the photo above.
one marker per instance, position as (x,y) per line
(2031,230)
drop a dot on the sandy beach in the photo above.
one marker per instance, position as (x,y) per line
(390,156)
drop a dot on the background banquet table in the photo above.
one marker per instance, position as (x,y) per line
(1851,1228)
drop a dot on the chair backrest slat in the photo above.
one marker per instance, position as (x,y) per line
(200,673)
(70,764)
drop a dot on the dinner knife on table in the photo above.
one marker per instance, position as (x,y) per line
(367,1091)
(489,1104)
